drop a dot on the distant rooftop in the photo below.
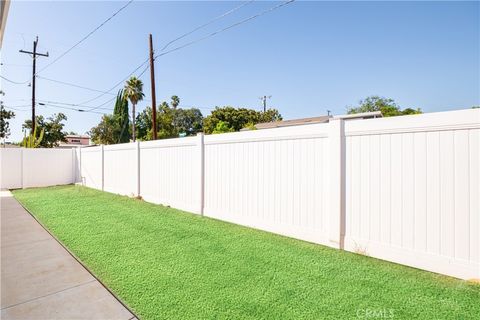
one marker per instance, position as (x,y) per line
(313,120)
(293,122)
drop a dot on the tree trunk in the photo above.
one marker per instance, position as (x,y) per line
(133,122)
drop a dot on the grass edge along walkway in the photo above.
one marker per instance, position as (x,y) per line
(166,263)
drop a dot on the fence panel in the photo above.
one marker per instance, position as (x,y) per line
(170,173)
(120,168)
(47,167)
(91,160)
(11,168)
(274,180)
(412,190)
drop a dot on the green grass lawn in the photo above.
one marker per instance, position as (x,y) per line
(165,264)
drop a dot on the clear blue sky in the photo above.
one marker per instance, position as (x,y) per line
(310,56)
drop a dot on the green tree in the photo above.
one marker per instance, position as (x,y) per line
(133,91)
(144,124)
(52,128)
(170,122)
(120,112)
(107,131)
(387,106)
(165,122)
(188,121)
(238,118)
(222,127)
(5,115)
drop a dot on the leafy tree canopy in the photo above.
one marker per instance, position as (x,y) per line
(52,128)
(238,118)
(171,121)
(5,115)
(222,127)
(387,106)
(107,131)
(113,128)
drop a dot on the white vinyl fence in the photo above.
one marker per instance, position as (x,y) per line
(403,189)
(25,168)
(413,190)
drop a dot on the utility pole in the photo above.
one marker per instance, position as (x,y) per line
(34,54)
(264,100)
(152,80)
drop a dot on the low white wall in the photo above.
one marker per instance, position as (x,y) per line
(46,167)
(11,168)
(25,168)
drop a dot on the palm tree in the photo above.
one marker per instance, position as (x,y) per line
(175,102)
(133,91)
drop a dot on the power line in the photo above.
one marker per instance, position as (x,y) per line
(206,24)
(195,41)
(85,37)
(74,85)
(118,83)
(68,108)
(11,81)
(226,28)
(163,48)
(71,104)
(167,52)
(76,44)
(178,38)
(101,105)
(17,107)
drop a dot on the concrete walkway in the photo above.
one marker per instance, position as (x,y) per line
(40,279)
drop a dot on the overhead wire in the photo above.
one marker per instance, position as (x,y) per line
(86,36)
(201,39)
(75,45)
(12,81)
(172,41)
(68,108)
(226,28)
(206,24)
(102,93)
(74,85)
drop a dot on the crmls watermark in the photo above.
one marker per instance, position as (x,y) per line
(376,313)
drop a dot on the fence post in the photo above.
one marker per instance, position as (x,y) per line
(74,165)
(80,166)
(103,169)
(337,183)
(21,167)
(137,147)
(201,153)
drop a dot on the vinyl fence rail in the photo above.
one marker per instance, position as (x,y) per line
(403,189)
